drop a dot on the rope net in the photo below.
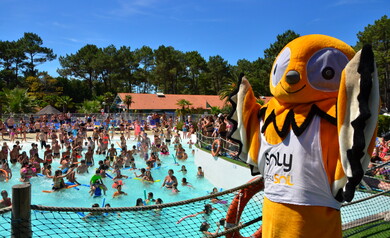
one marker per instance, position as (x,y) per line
(367,216)
(178,219)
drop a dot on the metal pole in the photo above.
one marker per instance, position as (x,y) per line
(21,211)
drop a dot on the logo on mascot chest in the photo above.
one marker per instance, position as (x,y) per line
(279,179)
(277,161)
(286,164)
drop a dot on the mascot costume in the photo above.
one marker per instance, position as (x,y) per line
(313,140)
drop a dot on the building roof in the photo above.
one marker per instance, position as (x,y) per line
(160,101)
(48,110)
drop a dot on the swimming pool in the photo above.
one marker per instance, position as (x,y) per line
(79,196)
(146,223)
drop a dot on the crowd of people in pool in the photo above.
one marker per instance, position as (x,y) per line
(67,140)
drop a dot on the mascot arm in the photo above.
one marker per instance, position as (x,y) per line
(246,126)
(357,116)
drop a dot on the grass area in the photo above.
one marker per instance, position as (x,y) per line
(377,229)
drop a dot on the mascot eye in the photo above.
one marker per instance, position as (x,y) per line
(324,69)
(328,73)
(280,66)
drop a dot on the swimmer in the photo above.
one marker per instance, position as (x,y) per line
(215,200)
(139,202)
(6,201)
(169,180)
(185,183)
(82,168)
(58,180)
(208,209)
(142,173)
(92,213)
(204,229)
(158,202)
(109,213)
(71,174)
(119,191)
(150,200)
(118,173)
(46,170)
(96,181)
(148,177)
(183,169)
(200,173)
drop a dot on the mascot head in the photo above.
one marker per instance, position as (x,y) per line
(308,69)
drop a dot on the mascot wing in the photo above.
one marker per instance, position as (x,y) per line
(246,127)
(357,116)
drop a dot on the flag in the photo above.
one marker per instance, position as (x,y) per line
(207,105)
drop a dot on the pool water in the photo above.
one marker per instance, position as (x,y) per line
(79,196)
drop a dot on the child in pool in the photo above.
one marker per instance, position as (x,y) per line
(110,213)
(92,214)
(208,209)
(200,172)
(183,169)
(150,200)
(82,168)
(185,183)
(96,181)
(118,173)
(58,180)
(119,191)
(158,202)
(142,173)
(139,202)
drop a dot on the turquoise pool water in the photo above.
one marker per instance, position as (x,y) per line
(79,197)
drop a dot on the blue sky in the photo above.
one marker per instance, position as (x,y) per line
(233,29)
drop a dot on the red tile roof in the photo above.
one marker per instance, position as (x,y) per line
(143,101)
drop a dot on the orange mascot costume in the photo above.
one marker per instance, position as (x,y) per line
(313,140)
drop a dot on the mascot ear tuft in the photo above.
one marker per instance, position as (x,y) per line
(366,64)
(241,76)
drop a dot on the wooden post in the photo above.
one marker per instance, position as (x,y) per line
(21,211)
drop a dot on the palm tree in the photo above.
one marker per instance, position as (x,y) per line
(227,88)
(184,104)
(108,99)
(17,100)
(65,102)
(89,107)
(128,101)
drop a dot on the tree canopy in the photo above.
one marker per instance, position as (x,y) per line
(93,74)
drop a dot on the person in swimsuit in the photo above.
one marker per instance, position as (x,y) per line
(96,181)
(200,172)
(169,180)
(6,201)
(208,209)
(83,167)
(58,180)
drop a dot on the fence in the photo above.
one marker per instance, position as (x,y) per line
(237,210)
(366,216)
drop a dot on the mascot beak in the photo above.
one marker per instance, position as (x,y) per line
(292,77)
